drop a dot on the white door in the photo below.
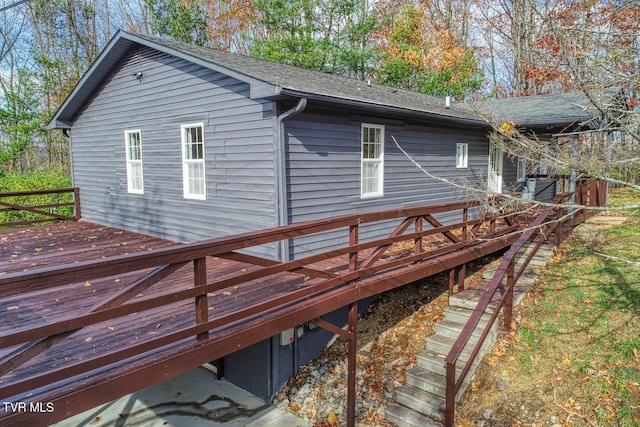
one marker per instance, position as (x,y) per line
(496,156)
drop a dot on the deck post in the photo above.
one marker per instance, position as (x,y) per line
(465,228)
(559,228)
(450,398)
(508,301)
(418,240)
(353,240)
(351,365)
(462,275)
(202,303)
(76,200)
(452,280)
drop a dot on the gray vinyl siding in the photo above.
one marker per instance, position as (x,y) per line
(238,153)
(510,175)
(323,170)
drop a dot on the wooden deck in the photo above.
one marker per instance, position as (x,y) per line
(91,313)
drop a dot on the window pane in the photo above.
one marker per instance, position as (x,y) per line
(370,177)
(195,176)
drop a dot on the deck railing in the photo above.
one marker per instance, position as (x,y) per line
(24,208)
(369,268)
(550,221)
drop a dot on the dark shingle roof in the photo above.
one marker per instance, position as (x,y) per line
(546,111)
(269,79)
(276,79)
(299,81)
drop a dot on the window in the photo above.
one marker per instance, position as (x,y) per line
(522,170)
(372,167)
(544,162)
(462,154)
(133,150)
(193,176)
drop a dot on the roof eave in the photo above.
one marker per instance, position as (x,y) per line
(58,124)
(111,57)
(83,88)
(383,108)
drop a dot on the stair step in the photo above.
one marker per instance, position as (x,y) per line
(530,272)
(442,345)
(470,297)
(402,416)
(461,315)
(422,397)
(420,401)
(541,258)
(434,362)
(451,329)
(528,276)
(431,382)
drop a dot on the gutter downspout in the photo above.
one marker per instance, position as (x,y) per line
(66,132)
(281,217)
(282,207)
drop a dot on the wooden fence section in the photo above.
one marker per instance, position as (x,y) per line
(81,334)
(23,208)
(550,221)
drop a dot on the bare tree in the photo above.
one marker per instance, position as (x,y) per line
(595,45)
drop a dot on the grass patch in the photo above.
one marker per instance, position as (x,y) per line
(576,347)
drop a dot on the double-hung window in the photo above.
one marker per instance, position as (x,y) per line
(372,160)
(133,149)
(462,155)
(521,172)
(193,174)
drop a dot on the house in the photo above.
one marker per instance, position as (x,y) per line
(554,119)
(188,143)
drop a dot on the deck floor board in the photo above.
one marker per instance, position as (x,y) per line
(30,249)
(33,248)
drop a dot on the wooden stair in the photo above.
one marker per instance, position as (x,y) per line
(421,402)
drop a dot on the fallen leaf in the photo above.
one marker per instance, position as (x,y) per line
(13,307)
(226,293)
(87,284)
(88,339)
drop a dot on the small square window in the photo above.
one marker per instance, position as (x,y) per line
(462,155)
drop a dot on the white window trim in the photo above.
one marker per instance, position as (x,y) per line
(130,162)
(186,162)
(380,191)
(462,155)
(521,172)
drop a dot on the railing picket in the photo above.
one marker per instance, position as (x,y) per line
(202,303)
(353,241)
(418,240)
(44,212)
(508,300)
(506,267)
(342,285)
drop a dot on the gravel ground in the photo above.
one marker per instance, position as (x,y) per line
(390,334)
